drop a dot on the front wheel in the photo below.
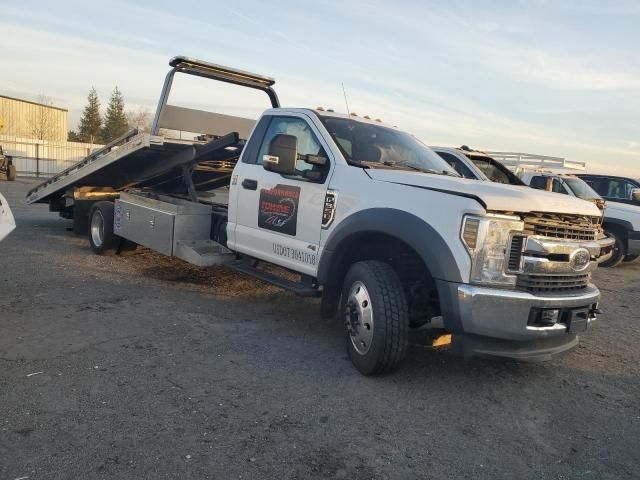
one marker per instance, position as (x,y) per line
(376,317)
(618,251)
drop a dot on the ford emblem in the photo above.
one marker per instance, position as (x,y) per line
(579,260)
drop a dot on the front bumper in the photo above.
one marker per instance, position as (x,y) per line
(491,321)
(606,248)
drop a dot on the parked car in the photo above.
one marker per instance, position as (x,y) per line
(613,188)
(473,164)
(621,222)
(7,222)
(477,165)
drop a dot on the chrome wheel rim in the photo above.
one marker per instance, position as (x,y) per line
(359,318)
(97,228)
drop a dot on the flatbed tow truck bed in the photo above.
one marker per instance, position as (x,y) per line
(141,160)
(166,194)
(150,161)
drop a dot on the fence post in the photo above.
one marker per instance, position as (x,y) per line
(37,159)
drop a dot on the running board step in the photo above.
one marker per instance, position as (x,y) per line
(294,287)
(203,253)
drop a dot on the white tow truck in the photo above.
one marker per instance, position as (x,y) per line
(363,214)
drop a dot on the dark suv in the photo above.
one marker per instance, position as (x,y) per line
(614,189)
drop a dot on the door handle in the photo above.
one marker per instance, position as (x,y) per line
(249,184)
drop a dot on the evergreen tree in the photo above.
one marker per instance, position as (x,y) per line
(72,136)
(115,120)
(91,121)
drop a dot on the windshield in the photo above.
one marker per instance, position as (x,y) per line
(367,145)
(581,189)
(495,171)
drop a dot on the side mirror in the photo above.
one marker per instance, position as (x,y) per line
(282,156)
(635,194)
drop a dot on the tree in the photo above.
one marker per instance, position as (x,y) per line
(140,119)
(115,121)
(91,121)
(42,119)
(72,136)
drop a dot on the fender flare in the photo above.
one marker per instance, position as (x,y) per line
(618,223)
(408,228)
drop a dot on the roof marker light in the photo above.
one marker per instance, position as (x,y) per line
(320,109)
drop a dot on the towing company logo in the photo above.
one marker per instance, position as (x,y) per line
(579,260)
(278,210)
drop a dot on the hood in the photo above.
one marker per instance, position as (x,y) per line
(496,196)
(623,211)
(7,222)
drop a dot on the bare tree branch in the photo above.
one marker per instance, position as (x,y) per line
(43,120)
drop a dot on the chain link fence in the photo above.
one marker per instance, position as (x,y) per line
(42,158)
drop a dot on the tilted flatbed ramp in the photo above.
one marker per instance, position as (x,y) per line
(143,160)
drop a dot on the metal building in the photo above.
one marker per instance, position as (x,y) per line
(25,119)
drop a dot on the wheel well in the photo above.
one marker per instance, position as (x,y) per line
(417,281)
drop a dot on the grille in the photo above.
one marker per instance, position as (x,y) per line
(553,283)
(568,227)
(515,253)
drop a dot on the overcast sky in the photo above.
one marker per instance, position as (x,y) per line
(557,78)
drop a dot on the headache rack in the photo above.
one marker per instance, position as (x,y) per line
(173,166)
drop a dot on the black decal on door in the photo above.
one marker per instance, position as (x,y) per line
(278,210)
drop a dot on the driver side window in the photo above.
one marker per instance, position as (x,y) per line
(308,144)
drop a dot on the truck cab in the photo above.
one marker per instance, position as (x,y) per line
(614,188)
(353,211)
(477,165)
(381,222)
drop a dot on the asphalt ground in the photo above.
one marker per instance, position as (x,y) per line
(143,367)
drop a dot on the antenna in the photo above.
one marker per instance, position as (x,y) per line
(345,98)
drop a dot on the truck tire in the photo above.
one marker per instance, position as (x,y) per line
(631,258)
(618,251)
(376,317)
(101,237)
(11,173)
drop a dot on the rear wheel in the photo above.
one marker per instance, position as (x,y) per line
(376,317)
(631,258)
(618,251)
(101,237)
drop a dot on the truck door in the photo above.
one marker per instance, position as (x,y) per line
(279,217)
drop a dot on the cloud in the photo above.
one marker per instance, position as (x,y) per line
(556,71)
(450,77)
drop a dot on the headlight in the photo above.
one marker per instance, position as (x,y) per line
(487,239)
